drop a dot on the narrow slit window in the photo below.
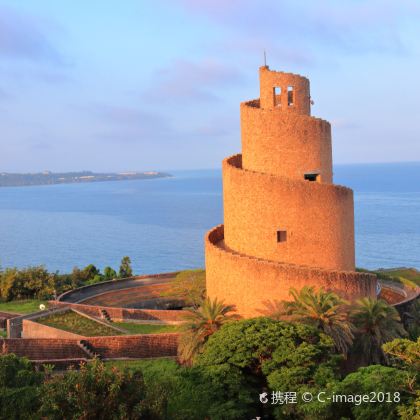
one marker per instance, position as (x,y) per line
(281,236)
(312,176)
(277,95)
(290,96)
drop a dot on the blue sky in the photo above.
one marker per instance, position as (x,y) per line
(140,85)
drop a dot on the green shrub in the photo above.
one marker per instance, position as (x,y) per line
(19,388)
(197,393)
(95,392)
(190,286)
(375,379)
(277,355)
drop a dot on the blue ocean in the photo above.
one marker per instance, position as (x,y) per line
(161,223)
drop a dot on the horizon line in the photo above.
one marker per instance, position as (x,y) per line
(416,162)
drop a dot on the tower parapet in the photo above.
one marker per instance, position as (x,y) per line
(284,139)
(286,223)
(286,91)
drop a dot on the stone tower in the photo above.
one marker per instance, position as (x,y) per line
(285,223)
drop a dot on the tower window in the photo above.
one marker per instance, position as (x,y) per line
(281,236)
(290,96)
(277,95)
(311,176)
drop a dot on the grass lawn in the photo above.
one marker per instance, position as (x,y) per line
(22,306)
(407,276)
(161,364)
(133,328)
(75,323)
(410,274)
(188,285)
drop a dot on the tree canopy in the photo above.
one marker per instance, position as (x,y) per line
(125,268)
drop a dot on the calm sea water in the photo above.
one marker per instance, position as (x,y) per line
(160,223)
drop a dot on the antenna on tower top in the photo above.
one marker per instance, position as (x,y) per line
(265,59)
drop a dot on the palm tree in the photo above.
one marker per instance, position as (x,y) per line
(324,310)
(274,310)
(376,323)
(200,324)
(411,318)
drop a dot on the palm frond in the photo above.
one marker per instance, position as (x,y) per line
(376,323)
(200,324)
(324,310)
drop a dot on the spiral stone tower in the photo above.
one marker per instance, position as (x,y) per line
(285,223)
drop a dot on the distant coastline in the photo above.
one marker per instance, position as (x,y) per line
(51,178)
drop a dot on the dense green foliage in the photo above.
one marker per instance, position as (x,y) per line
(411,319)
(361,328)
(277,355)
(32,282)
(95,392)
(376,323)
(239,362)
(38,283)
(405,355)
(125,268)
(19,388)
(324,310)
(190,286)
(370,380)
(109,273)
(196,393)
(200,324)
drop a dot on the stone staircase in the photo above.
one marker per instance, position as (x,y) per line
(105,315)
(87,348)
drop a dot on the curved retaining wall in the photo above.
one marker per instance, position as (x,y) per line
(262,281)
(121,314)
(141,297)
(317,217)
(88,291)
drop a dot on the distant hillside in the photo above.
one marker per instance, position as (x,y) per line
(48,178)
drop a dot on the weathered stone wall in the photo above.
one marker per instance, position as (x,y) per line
(286,144)
(15,325)
(135,346)
(317,218)
(36,330)
(43,348)
(270,79)
(4,316)
(84,292)
(126,314)
(249,282)
(141,297)
(130,346)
